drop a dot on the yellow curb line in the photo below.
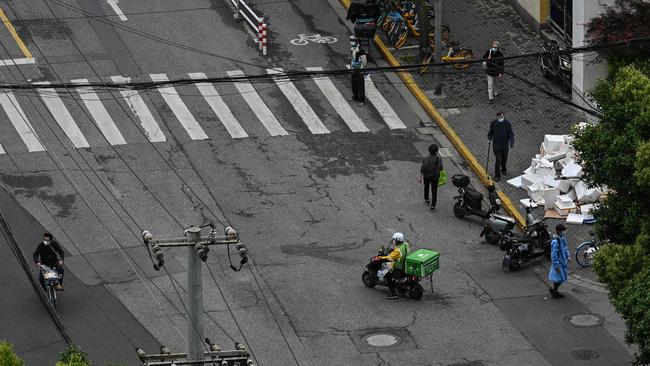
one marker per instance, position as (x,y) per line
(14,34)
(444,126)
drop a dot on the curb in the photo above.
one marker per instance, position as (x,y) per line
(455,140)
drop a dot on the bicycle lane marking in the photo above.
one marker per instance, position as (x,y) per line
(29,59)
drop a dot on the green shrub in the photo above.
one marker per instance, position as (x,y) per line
(633,303)
(617,264)
(72,355)
(8,357)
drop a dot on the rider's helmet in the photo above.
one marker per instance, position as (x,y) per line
(354,41)
(398,238)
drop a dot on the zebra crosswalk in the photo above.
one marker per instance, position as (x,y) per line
(102,118)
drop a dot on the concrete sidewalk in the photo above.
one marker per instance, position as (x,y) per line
(94,318)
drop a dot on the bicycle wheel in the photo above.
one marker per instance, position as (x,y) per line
(466,54)
(585,253)
(424,67)
(401,39)
(51,296)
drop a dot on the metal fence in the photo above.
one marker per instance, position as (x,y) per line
(255,25)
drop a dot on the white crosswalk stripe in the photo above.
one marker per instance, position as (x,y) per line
(141,111)
(21,123)
(182,113)
(386,112)
(101,118)
(299,103)
(61,115)
(99,113)
(339,103)
(218,106)
(258,106)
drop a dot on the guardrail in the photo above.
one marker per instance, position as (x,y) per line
(255,25)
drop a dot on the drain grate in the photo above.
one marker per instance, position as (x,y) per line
(585,354)
(584,320)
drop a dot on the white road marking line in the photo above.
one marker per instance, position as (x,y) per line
(21,123)
(382,106)
(99,113)
(184,116)
(62,116)
(18,61)
(337,101)
(299,103)
(141,111)
(116,9)
(218,106)
(258,106)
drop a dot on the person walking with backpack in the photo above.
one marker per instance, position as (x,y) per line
(357,64)
(493,68)
(430,174)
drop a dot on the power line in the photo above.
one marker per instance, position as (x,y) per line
(299,75)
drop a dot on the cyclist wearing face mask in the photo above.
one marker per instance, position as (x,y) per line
(49,253)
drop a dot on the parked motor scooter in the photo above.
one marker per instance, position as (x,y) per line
(364,30)
(499,226)
(470,202)
(375,275)
(554,65)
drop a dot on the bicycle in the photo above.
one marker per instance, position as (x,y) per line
(454,54)
(412,27)
(586,251)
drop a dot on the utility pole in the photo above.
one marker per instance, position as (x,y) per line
(423,17)
(197,248)
(437,71)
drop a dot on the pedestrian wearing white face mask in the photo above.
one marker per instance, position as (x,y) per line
(357,64)
(502,138)
(493,68)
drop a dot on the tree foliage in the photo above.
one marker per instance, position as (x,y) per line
(8,357)
(72,355)
(616,152)
(625,20)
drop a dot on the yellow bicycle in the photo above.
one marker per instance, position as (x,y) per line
(411,26)
(454,54)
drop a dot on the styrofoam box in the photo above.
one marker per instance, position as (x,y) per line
(553,142)
(550,195)
(515,182)
(575,219)
(563,211)
(529,179)
(585,194)
(572,170)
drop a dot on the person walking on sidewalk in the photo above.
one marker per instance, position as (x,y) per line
(493,68)
(560,259)
(357,64)
(430,173)
(502,138)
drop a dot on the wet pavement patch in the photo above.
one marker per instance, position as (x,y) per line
(585,354)
(382,340)
(584,320)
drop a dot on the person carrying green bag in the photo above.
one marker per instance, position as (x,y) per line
(433,175)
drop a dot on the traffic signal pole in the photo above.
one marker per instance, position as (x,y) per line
(197,252)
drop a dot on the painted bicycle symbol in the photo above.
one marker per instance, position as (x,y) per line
(304,39)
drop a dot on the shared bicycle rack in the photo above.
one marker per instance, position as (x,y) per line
(255,25)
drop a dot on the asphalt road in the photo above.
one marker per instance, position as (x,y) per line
(312,207)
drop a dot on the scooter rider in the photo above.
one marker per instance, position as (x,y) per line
(49,253)
(398,257)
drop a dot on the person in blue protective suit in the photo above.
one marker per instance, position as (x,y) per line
(560,259)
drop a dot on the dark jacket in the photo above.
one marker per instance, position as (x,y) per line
(494,67)
(47,254)
(431,166)
(501,134)
(359,9)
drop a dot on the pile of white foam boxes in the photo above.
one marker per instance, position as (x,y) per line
(554,181)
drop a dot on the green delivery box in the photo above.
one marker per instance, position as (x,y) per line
(422,262)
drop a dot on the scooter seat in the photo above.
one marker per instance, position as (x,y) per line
(474,195)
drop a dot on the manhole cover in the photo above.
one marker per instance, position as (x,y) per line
(382,340)
(584,320)
(585,354)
